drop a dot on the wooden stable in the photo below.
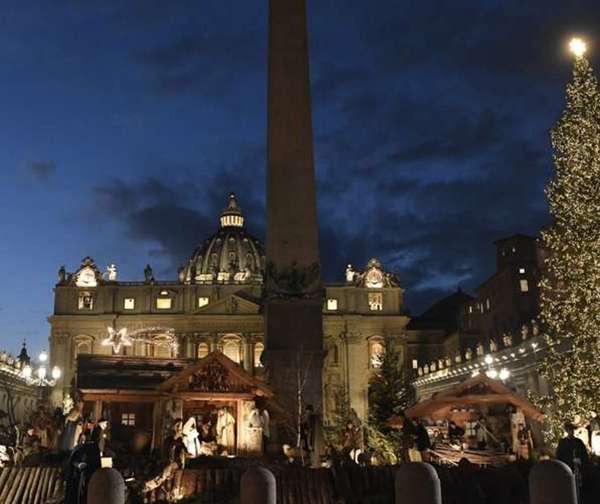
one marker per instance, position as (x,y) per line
(147,392)
(479,390)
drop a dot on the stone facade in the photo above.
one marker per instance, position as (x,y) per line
(18,397)
(499,323)
(217,304)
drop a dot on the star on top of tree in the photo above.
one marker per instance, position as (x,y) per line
(117,339)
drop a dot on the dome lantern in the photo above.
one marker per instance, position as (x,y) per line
(232,215)
(230,256)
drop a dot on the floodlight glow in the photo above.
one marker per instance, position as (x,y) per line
(26,372)
(41,373)
(577,46)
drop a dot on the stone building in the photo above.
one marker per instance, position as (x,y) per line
(216,303)
(18,396)
(495,330)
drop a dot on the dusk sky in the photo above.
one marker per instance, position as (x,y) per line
(124,125)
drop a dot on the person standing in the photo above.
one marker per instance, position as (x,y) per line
(572,451)
(423,441)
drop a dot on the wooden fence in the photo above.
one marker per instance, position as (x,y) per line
(295,485)
(29,485)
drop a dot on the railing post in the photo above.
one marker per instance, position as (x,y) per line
(258,486)
(106,485)
(417,483)
(552,482)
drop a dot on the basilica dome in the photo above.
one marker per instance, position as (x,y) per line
(230,256)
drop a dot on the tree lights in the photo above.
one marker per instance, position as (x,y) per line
(570,290)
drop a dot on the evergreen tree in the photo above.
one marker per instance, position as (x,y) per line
(388,389)
(389,393)
(570,291)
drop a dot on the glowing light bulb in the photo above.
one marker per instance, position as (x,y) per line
(41,373)
(492,373)
(577,46)
(488,359)
(56,373)
(504,374)
(43,356)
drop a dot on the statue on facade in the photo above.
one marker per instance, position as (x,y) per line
(440,364)
(433,367)
(493,345)
(350,273)
(535,328)
(62,274)
(458,357)
(507,339)
(524,332)
(420,371)
(181,274)
(426,369)
(148,275)
(448,361)
(111,272)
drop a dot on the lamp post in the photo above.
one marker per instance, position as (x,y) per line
(40,377)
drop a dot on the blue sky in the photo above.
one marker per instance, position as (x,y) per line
(124,126)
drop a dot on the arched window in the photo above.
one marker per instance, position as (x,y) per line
(258,350)
(203,350)
(232,349)
(83,347)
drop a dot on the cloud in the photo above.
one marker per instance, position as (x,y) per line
(202,63)
(41,170)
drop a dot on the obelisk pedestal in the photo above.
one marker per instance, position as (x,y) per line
(294,294)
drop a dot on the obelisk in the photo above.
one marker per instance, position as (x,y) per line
(294,294)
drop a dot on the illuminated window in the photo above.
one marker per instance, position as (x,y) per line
(203,301)
(487,303)
(376,355)
(470,309)
(258,350)
(375,301)
(128,419)
(163,303)
(86,301)
(232,349)
(522,271)
(415,364)
(524,284)
(129,303)
(203,350)
(332,304)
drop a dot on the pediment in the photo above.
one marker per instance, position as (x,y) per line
(87,275)
(234,304)
(216,374)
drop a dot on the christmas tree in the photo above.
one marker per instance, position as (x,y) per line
(389,393)
(570,290)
